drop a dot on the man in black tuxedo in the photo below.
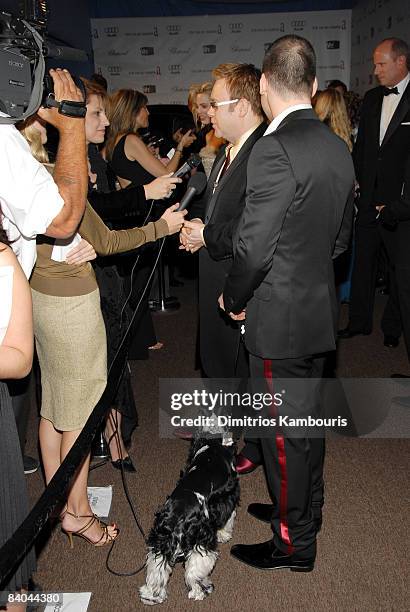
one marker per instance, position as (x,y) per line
(237,116)
(379,155)
(297,217)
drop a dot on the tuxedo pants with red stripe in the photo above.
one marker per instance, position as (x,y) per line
(294,465)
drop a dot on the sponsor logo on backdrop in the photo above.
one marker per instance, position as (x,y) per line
(149,89)
(174,68)
(113,52)
(217,31)
(173,30)
(339,66)
(157,70)
(281,28)
(238,49)
(344,25)
(298,24)
(329,27)
(177,51)
(111,31)
(201,71)
(179,89)
(114,70)
(333,44)
(235,28)
(147,50)
(153,32)
(209,49)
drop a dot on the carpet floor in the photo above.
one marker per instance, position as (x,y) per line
(362,562)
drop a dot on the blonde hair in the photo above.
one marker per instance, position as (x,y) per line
(122,108)
(191,103)
(330,107)
(33,137)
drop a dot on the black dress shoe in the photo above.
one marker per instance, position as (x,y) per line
(267,556)
(263,512)
(391,341)
(345,334)
(127,464)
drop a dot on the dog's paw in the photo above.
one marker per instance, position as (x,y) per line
(223,536)
(147,596)
(197,593)
(207,586)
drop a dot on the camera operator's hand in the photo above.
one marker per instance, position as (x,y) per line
(187,139)
(173,218)
(64,89)
(161,188)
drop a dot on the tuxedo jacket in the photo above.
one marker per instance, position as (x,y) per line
(297,218)
(380,167)
(396,216)
(221,210)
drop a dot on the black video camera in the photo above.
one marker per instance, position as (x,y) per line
(23,87)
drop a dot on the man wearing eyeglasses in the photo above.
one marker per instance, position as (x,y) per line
(297,217)
(236,115)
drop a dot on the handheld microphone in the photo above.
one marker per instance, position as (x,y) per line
(192,162)
(196,185)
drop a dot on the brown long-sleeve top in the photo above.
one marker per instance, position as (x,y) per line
(67,280)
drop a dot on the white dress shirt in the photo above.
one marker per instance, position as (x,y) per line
(389,105)
(274,124)
(29,197)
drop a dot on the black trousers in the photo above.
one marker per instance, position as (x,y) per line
(369,239)
(19,391)
(294,465)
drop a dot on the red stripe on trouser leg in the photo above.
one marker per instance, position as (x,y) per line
(280,447)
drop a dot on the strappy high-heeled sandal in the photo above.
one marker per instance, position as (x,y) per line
(106,537)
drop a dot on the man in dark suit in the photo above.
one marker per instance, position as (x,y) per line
(237,116)
(297,217)
(379,156)
(395,216)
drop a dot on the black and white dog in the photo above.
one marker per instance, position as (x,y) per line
(198,514)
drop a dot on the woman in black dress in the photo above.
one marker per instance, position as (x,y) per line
(134,164)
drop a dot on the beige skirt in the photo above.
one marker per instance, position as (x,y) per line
(72,352)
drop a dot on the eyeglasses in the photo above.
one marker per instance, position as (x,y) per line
(214,104)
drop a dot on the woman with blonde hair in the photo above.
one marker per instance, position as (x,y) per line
(330,107)
(208,144)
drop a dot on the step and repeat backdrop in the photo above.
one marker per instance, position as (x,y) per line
(372,21)
(163,56)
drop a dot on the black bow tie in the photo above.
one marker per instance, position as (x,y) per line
(387,91)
